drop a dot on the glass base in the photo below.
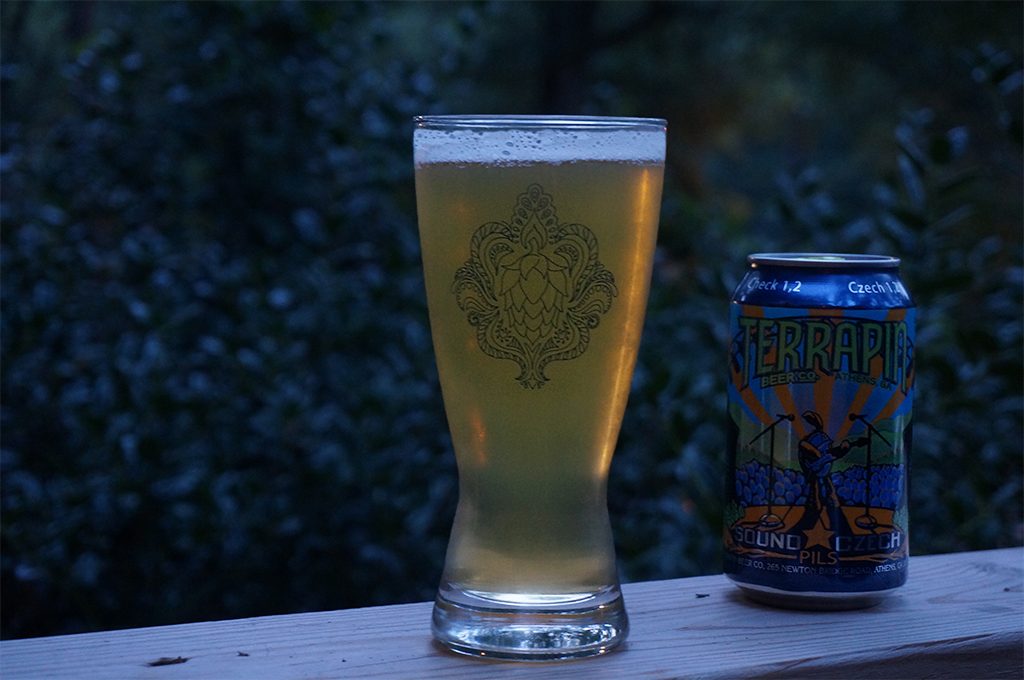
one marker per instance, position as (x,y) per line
(529,627)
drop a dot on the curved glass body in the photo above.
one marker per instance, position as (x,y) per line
(537,236)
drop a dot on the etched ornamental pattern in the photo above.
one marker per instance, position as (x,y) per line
(534,288)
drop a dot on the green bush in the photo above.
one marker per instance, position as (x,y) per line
(219,396)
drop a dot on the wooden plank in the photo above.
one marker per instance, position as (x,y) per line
(960,615)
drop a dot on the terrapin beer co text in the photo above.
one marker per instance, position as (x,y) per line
(821,367)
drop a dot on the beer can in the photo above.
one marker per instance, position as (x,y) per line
(821,385)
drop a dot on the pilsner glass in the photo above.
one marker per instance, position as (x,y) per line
(537,235)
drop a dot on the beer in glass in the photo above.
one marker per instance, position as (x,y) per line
(537,236)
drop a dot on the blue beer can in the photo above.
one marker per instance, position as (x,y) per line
(820,391)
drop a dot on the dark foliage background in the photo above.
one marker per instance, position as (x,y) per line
(219,396)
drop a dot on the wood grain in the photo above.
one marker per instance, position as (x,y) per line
(959,616)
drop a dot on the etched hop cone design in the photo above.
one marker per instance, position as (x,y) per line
(533,288)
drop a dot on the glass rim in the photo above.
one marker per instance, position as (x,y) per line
(537,122)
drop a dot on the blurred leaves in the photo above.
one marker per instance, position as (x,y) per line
(219,396)
(219,391)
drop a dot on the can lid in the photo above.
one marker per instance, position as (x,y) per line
(824,260)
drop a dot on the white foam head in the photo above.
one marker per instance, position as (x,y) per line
(513,140)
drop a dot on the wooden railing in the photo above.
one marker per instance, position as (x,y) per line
(959,616)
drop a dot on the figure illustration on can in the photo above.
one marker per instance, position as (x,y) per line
(817,452)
